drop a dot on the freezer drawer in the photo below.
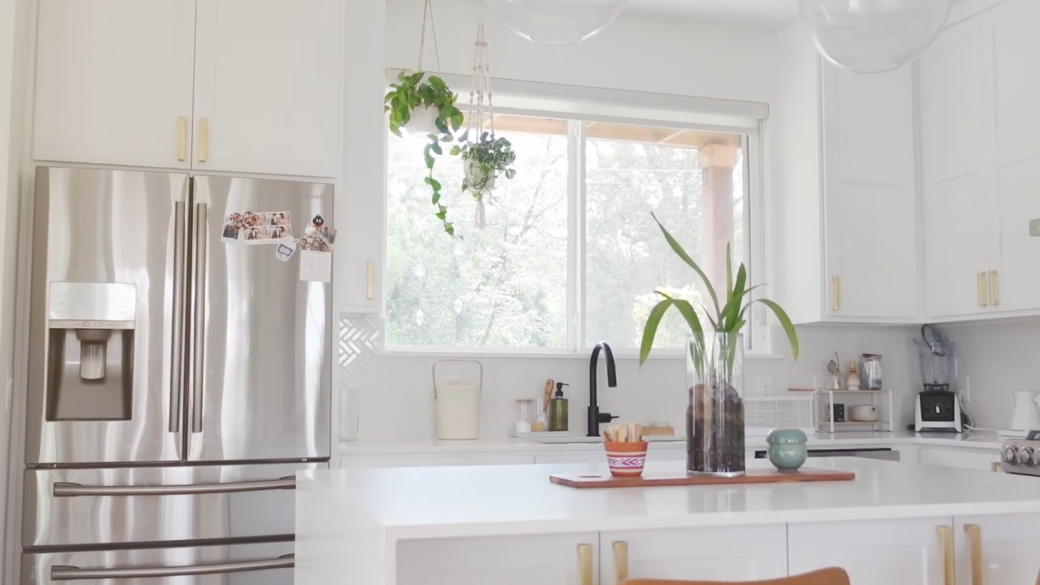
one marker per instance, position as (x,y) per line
(158,504)
(247,564)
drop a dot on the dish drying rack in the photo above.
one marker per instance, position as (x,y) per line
(765,413)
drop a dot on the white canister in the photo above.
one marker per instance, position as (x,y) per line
(457,386)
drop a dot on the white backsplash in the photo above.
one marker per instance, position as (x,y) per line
(993,359)
(391,398)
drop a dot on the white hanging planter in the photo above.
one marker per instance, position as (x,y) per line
(423,121)
(476,181)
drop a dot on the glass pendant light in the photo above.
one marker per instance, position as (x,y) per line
(872,36)
(555,22)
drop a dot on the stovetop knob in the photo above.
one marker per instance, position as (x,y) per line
(1025,456)
(1010,454)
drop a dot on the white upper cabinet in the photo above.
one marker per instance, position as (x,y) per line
(981,164)
(267,75)
(869,194)
(1011,34)
(959,198)
(847,195)
(249,86)
(114,82)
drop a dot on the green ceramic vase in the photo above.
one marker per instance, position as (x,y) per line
(787,451)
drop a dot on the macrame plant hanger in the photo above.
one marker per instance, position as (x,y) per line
(479,115)
(428,12)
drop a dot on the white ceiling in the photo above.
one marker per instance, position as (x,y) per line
(755,13)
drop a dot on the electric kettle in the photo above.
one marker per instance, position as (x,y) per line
(1025,415)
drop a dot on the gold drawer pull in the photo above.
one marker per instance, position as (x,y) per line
(203,139)
(585,557)
(975,539)
(946,536)
(621,560)
(182,138)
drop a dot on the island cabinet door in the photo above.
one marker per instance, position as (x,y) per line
(919,551)
(998,550)
(549,559)
(730,553)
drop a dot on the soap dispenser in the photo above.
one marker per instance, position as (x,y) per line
(558,409)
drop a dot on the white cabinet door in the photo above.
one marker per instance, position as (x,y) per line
(725,553)
(553,559)
(267,86)
(1011,36)
(883,552)
(114,82)
(870,195)
(959,208)
(1004,548)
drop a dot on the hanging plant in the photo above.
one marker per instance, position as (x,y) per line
(489,156)
(485,160)
(424,104)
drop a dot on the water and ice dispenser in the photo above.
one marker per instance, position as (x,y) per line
(90,363)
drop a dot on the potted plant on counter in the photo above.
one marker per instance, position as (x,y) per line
(714,365)
(425,104)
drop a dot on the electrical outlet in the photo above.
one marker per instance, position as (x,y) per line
(764,386)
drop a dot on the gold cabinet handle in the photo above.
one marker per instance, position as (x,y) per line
(371,279)
(203,139)
(975,541)
(946,537)
(621,560)
(982,290)
(182,138)
(585,556)
(836,285)
(994,288)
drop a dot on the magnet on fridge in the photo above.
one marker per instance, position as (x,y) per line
(284,250)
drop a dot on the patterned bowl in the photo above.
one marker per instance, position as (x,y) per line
(626,459)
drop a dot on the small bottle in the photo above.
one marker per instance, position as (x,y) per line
(558,410)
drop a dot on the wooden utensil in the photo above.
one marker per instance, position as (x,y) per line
(549,385)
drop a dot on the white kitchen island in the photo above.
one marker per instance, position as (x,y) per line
(896,524)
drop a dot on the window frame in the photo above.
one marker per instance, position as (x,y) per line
(759,331)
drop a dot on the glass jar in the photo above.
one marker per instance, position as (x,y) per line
(870,371)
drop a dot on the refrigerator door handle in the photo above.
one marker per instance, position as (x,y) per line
(67,573)
(64,489)
(198,348)
(177,344)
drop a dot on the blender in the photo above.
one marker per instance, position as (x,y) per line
(937,408)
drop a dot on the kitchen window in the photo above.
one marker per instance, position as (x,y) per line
(570,254)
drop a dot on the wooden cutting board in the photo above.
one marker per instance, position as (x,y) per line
(605,480)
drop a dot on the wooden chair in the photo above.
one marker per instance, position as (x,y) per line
(832,576)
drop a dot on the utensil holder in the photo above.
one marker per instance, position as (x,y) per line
(457,387)
(626,459)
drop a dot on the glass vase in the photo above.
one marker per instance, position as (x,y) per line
(715,413)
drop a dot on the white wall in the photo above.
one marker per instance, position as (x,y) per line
(660,56)
(394,398)
(995,358)
(13,61)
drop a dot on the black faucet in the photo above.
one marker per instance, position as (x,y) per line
(595,416)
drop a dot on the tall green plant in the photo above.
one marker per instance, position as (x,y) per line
(415,90)
(727,317)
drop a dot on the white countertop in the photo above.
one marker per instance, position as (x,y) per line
(977,440)
(450,502)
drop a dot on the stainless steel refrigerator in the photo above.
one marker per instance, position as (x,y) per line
(180,367)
